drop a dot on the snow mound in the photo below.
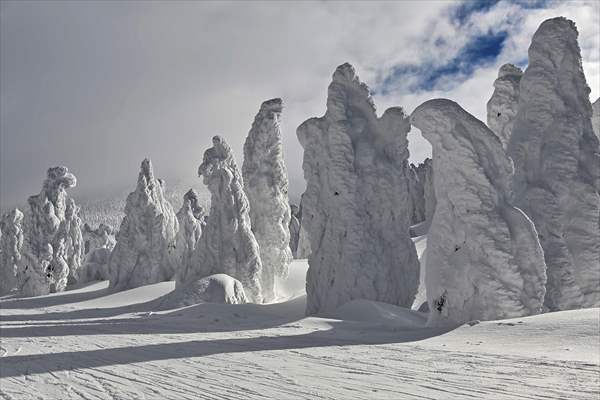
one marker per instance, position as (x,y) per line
(484,260)
(218,288)
(381,313)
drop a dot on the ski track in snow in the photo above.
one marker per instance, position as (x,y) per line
(89,344)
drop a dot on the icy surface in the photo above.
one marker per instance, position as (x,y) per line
(53,234)
(227,245)
(98,244)
(483,258)
(356,205)
(219,288)
(11,249)
(503,105)
(144,252)
(266,185)
(191,222)
(557,165)
(93,344)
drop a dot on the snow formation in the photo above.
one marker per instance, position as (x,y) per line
(98,244)
(294,228)
(421,191)
(504,103)
(54,243)
(145,248)
(227,244)
(356,204)
(191,222)
(11,247)
(266,185)
(483,258)
(218,288)
(596,117)
(557,165)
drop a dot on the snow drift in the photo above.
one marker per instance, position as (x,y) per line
(483,258)
(356,204)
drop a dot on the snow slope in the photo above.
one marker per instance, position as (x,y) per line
(91,344)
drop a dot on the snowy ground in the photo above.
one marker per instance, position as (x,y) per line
(90,344)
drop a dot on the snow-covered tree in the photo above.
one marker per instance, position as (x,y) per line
(557,165)
(503,105)
(145,248)
(11,248)
(227,245)
(266,185)
(191,223)
(356,206)
(483,258)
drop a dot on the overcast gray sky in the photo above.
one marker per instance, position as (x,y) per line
(98,86)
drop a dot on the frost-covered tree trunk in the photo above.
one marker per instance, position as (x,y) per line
(356,205)
(227,244)
(191,223)
(483,258)
(266,185)
(303,249)
(557,165)
(503,105)
(11,247)
(144,252)
(54,236)
(417,196)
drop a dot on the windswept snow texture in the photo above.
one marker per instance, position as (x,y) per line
(11,248)
(98,244)
(191,222)
(503,105)
(356,204)
(557,165)
(266,185)
(54,234)
(144,252)
(227,245)
(484,260)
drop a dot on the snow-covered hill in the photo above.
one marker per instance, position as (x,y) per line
(88,343)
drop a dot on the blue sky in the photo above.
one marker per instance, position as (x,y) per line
(98,86)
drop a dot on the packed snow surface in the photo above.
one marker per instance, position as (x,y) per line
(557,165)
(356,206)
(89,343)
(483,258)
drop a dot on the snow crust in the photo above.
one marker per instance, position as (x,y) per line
(356,205)
(11,248)
(53,236)
(557,165)
(227,245)
(145,248)
(483,258)
(266,185)
(503,105)
(191,223)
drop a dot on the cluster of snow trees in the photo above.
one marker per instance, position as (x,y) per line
(512,208)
